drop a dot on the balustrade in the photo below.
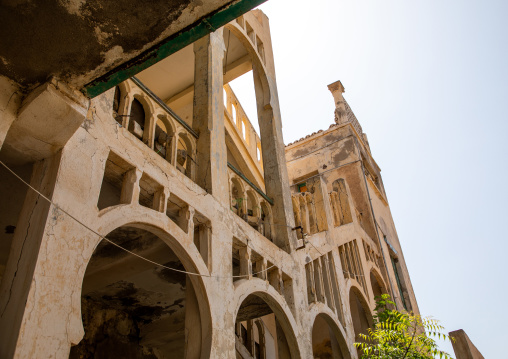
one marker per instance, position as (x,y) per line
(150,120)
(250,203)
(243,128)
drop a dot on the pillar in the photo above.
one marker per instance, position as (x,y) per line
(208,121)
(17,279)
(274,165)
(245,263)
(130,187)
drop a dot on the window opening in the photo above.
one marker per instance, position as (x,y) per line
(116,105)
(244,132)
(397,278)
(137,119)
(233,111)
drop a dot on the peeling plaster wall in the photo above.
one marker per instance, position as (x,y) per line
(78,41)
(337,153)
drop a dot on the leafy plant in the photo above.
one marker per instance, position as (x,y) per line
(399,335)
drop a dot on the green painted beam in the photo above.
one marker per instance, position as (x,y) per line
(169,46)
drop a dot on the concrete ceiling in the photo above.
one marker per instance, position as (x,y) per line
(97,44)
(175,74)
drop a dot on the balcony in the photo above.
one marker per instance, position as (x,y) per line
(250,203)
(152,122)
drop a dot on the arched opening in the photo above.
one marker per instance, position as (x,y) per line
(359,313)
(239,75)
(325,344)
(164,133)
(252,210)
(244,132)
(137,119)
(132,308)
(377,288)
(259,332)
(340,203)
(266,221)
(233,112)
(237,198)
(185,155)
(304,215)
(116,105)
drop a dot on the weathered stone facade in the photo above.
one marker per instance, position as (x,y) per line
(177,231)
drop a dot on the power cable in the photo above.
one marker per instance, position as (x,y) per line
(119,246)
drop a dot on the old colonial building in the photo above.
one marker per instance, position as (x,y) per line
(150,220)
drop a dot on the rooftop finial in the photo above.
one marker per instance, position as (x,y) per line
(337,89)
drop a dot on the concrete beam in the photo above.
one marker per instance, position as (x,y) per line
(47,119)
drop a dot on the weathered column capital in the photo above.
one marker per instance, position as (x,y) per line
(51,106)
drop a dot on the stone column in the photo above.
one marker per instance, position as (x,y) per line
(130,187)
(17,280)
(41,289)
(245,263)
(274,158)
(208,121)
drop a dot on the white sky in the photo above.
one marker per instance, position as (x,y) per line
(427,81)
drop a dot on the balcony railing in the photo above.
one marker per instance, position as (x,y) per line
(250,203)
(242,127)
(149,119)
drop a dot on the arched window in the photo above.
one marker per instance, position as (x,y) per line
(163,137)
(325,344)
(359,313)
(233,112)
(244,131)
(237,198)
(252,210)
(185,155)
(137,119)
(116,106)
(266,221)
(377,289)
(252,326)
(339,200)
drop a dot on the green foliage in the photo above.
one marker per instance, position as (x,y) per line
(399,335)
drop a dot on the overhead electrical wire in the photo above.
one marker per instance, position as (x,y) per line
(119,246)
